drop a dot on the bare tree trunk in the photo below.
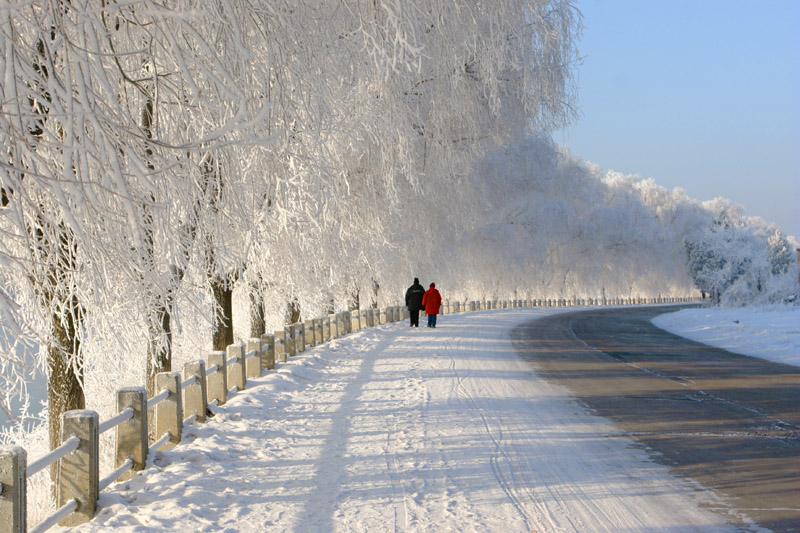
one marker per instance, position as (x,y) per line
(375,290)
(258,324)
(222,334)
(221,286)
(293,312)
(159,348)
(57,250)
(65,386)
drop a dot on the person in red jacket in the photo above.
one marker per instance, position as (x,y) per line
(431,301)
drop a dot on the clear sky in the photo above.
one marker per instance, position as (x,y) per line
(698,94)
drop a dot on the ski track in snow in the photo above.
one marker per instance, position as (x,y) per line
(400,429)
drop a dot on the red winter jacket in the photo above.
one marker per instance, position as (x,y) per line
(431,300)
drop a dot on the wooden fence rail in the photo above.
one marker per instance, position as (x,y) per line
(204,383)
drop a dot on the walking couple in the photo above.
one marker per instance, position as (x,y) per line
(417,298)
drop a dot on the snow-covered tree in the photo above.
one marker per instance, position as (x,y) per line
(740,260)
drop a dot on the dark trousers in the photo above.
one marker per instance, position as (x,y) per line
(414,317)
(431,321)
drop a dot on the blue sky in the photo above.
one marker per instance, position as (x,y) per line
(702,95)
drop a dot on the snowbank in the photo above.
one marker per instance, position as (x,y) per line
(771,333)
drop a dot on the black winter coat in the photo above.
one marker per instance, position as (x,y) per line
(414,297)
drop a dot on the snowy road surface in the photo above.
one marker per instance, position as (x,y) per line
(394,429)
(727,421)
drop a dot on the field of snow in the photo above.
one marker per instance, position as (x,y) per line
(771,333)
(398,429)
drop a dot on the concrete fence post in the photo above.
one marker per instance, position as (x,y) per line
(340,327)
(79,472)
(252,366)
(308,329)
(169,413)
(217,383)
(290,343)
(236,375)
(317,325)
(326,328)
(267,352)
(195,397)
(13,489)
(280,346)
(300,341)
(334,322)
(131,435)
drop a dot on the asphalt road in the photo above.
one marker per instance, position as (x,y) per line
(727,421)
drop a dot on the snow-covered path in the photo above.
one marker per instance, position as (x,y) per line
(398,429)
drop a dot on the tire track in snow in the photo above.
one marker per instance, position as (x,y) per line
(494,429)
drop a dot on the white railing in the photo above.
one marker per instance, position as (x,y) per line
(69,446)
(199,389)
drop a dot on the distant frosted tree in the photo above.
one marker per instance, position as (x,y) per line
(780,254)
(738,259)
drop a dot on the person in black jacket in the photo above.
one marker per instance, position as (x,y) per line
(414,301)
